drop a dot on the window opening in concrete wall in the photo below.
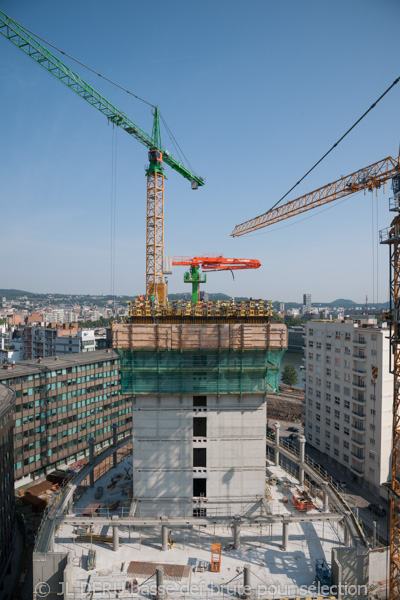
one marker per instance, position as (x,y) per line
(199,488)
(199,401)
(199,427)
(199,457)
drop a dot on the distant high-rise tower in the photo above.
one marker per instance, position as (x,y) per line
(307,302)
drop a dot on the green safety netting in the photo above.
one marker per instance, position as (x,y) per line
(200,371)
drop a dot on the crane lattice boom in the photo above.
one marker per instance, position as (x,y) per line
(368,178)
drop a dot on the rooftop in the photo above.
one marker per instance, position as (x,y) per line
(25,367)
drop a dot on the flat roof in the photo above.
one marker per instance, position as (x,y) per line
(52,363)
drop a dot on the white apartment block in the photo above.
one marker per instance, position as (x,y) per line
(83,341)
(349,397)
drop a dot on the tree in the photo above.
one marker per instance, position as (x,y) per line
(276,317)
(295,321)
(289,375)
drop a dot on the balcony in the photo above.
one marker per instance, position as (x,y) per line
(360,341)
(358,399)
(359,385)
(358,426)
(358,414)
(358,442)
(359,356)
(358,456)
(363,371)
(358,470)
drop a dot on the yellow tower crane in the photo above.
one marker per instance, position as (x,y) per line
(368,178)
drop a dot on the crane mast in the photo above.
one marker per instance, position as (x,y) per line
(21,38)
(391,237)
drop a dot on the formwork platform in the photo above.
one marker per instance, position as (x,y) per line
(199,358)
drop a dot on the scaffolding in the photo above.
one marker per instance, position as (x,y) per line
(199,358)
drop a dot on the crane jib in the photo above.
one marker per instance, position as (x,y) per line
(21,38)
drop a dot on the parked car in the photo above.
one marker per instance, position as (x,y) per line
(293,437)
(294,429)
(377,510)
(99,492)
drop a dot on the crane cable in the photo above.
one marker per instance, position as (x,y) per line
(113,210)
(338,142)
(81,63)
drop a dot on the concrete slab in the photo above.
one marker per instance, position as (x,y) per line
(275,573)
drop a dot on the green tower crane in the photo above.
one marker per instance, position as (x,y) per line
(26,42)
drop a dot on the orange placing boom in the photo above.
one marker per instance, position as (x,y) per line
(368,178)
(211,262)
(216,263)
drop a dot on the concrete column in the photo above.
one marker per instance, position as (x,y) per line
(115,534)
(164,538)
(246,581)
(160,581)
(285,534)
(346,535)
(325,485)
(68,577)
(302,442)
(91,459)
(277,426)
(374,534)
(115,441)
(236,533)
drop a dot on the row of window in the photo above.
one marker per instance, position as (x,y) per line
(67,445)
(55,373)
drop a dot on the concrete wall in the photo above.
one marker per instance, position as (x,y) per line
(378,565)
(349,569)
(162,457)
(48,574)
(163,454)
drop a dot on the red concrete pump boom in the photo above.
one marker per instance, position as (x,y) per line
(216,263)
(210,263)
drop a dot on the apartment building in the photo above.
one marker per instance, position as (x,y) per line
(40,342)
(349,397)
(7,504)
(60,404)
(83,341)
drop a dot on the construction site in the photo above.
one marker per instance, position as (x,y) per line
(208,504)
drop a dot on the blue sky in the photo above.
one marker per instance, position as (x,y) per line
(254,92)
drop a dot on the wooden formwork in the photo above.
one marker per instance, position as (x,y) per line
(220,336)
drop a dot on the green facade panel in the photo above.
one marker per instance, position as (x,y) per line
(200,371)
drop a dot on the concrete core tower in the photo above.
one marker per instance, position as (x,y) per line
(199,383)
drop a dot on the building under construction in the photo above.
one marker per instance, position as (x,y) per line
(199,375)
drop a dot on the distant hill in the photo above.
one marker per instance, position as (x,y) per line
(343,302)
(10,294)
